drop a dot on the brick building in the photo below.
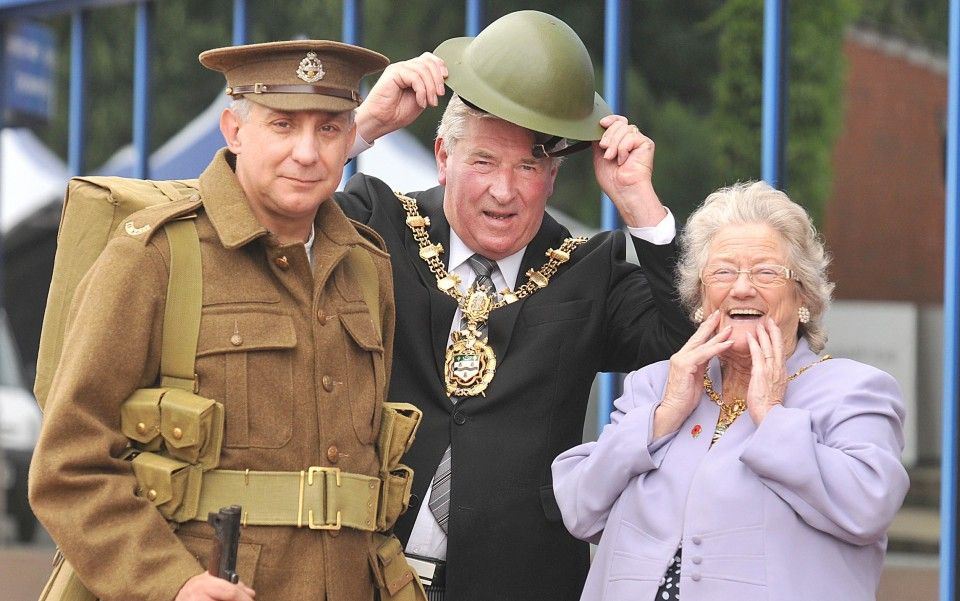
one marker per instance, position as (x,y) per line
(884,221)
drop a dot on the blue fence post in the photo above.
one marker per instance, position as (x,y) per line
(352,32)
(141,89)
(614,23)
(78,75)
(239,22)
(951,321)
(476,18)
(774,98)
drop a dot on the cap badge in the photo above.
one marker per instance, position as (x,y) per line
(310,69)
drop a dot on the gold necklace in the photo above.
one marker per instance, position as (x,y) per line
(729,412)
(470,362)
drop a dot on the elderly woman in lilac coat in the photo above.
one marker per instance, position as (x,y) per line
(750,465)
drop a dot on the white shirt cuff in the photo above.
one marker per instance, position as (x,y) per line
(360,146)
(662,233)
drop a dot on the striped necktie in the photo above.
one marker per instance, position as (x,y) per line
(440,487)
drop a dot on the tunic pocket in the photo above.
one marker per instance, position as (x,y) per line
(366,377)
(245,360)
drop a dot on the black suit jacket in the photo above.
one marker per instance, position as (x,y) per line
(599,313)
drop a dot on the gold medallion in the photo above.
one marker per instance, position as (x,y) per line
(470,362)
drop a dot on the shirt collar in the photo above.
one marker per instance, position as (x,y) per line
(509,266)
(308,245)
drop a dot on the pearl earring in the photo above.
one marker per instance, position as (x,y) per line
(698,315)
(804,314)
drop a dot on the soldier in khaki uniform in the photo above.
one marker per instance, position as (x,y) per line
(286,342)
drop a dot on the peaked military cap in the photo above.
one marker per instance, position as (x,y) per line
(296,75)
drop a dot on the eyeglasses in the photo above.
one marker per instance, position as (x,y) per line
(761,276)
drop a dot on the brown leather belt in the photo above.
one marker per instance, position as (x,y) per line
(263,88)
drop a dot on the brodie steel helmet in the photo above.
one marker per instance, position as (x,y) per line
(531,69)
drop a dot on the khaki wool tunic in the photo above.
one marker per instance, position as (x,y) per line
(291,352)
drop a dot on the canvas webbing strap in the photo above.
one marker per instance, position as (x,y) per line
(181,319)
(321,498)
(168,188)
(366,273)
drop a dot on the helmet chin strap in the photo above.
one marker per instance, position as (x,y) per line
(540,150)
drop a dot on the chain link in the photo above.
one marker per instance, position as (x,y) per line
(447,282)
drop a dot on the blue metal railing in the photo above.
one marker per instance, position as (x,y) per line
(352,34)
(613,43)
(141,89)
(774,94)
(239,37)
(78,74)
(951,323)
(476,18)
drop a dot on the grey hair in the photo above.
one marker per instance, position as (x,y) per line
(453,125)
(241,107)
(758,202)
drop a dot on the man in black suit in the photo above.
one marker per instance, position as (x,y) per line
(503,379)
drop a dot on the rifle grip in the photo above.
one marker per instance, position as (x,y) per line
(226,526)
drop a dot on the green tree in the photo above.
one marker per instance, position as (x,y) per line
(814,99)
(922,22)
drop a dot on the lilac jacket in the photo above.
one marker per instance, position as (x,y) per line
(794,509)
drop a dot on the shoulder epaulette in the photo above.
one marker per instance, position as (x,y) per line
(144,223)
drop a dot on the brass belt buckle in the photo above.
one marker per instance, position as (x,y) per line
(326,499)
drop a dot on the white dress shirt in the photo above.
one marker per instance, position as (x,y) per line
(308,245)
(427,539)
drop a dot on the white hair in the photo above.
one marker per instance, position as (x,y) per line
(453,125)
(758,202)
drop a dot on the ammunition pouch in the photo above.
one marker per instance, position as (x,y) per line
(394,497)
(398,427)
(181,425)
(177,437)
(394,577)
(172,486)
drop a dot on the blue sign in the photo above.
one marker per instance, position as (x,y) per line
(28,67)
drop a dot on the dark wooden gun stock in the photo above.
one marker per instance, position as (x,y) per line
(226,526)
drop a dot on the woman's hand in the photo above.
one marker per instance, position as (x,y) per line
(768,372)
(685,379)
